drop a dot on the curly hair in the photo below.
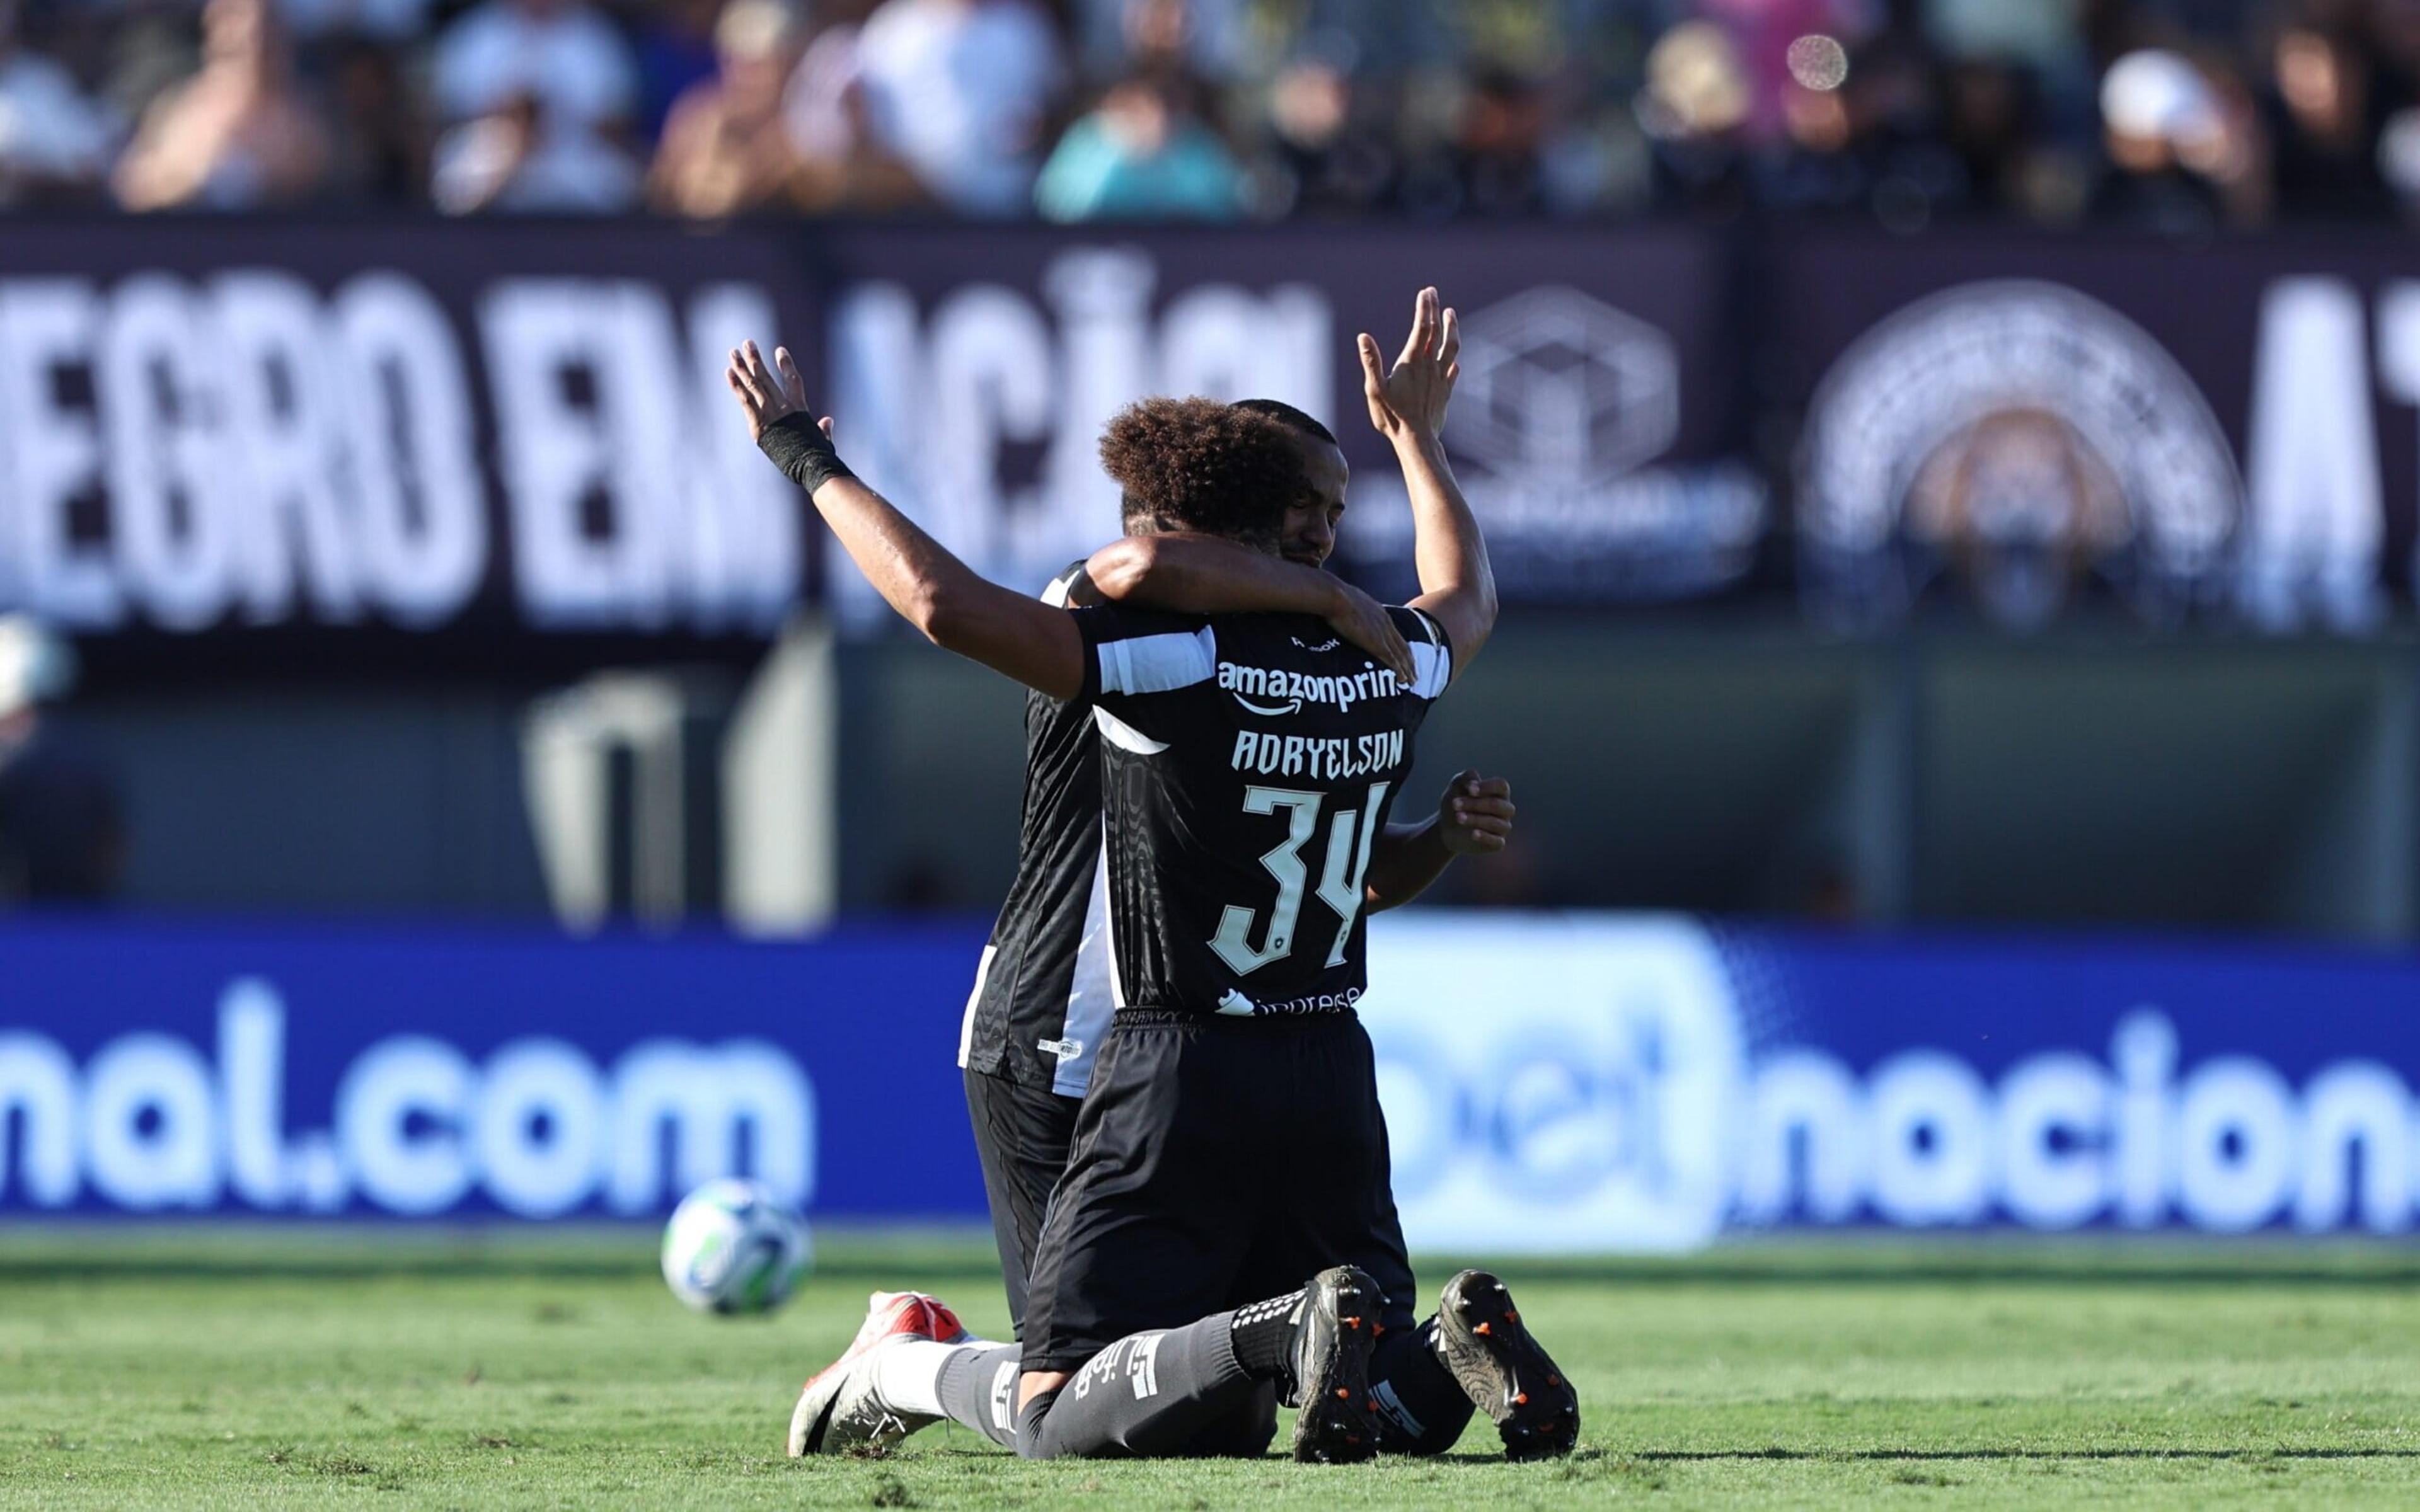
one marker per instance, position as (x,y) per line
(1287,415)
(1200,465)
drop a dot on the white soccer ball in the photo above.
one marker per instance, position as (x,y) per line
(733,1247)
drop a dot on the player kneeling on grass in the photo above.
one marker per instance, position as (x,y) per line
(1229,1136)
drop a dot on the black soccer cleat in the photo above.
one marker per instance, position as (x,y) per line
(1481,1336)
(1338,1422)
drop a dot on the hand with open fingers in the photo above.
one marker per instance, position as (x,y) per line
(1407,402)
(1360,618)
(767,393)
(1475,816)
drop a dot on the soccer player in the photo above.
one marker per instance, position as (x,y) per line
(1227,1133)
(1041,1000)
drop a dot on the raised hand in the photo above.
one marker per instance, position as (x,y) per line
(1407,402)
(765,393)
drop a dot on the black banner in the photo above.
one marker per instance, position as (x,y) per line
(512,439)
(421,428)
(2219,431)
(1594,428)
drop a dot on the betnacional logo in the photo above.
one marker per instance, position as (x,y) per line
(2026,441)
(537,1127)
(1591,1108)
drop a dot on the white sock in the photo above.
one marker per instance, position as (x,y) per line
(907,1376)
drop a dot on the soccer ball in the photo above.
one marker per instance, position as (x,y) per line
(733,1247)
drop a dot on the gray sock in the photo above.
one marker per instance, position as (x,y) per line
(1151,1395)
(978,1388)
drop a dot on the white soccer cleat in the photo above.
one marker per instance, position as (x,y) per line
(839,1409)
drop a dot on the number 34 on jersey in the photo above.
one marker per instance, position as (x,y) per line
(1342,870)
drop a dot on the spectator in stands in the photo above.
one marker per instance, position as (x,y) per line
(392,23)
(1695,109)
(1329,107)
(381,138)
(963,90)
(539,93)
(2181,157)
(1329,153)
(1991,114)
(62,819)
(1143,154)
(726,148)
(843,162)
(1206,38)
(675,46)
(1502,138)
(237,135)
(54,142)
(2324,113)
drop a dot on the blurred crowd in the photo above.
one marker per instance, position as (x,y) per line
(2175,113)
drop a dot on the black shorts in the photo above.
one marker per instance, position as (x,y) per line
(1217,1162)
(1021,1136)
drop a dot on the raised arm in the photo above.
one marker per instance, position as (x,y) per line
(1407,404)
(935,592)
(1473,818)
(1190,574)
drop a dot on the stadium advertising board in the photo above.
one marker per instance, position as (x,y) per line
(2218,429)
(1594,428)
(417,426)
(1579,1084)
(496,428)
(502,427)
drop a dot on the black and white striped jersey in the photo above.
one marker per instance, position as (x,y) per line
(1248,761)
(1041,998)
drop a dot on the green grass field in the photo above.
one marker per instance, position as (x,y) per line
(258,1369)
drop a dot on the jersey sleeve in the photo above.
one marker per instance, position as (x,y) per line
(1431,650)
(1061,589)
(1132,654)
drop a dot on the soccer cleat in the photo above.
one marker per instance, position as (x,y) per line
(838,1410)
(1338,1424)
(1482,1341)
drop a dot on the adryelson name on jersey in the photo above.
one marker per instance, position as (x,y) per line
(1318,758)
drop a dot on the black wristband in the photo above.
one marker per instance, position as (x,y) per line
(804,453)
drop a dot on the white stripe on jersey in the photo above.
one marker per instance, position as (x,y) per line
(1433,663)
(1159,663)
(1124,736)
(1092,997)
(966,1024)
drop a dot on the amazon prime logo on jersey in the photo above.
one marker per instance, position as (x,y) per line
(1276,690)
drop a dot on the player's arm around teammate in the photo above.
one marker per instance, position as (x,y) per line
(1188,574)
